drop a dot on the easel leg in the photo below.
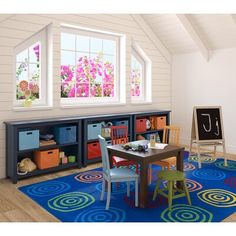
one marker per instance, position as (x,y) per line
(190,150)
(224,151)
(199,156)
(214,155)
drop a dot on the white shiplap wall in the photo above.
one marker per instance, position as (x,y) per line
(16,28)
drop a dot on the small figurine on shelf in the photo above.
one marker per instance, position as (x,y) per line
(63,158)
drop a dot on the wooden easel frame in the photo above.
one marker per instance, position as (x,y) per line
(199,143)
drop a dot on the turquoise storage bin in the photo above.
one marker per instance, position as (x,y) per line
(28,139)
(122,122)
(94,130)
(64,135)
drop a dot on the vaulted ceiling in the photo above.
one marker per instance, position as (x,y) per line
(178,35)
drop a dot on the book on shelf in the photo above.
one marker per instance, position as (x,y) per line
(47,142)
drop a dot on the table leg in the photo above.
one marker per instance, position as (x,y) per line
(180,166)
(143,196)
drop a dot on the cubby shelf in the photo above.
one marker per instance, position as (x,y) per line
(49,170)
(46,147)
(78,148)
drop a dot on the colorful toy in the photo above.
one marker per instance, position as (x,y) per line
(71,159)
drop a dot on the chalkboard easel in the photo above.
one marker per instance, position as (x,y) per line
(207,130)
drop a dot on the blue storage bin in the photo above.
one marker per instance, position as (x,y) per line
(94,130)
(122,122)
(64,135)
(28,139)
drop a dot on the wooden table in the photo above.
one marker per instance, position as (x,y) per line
(144,159)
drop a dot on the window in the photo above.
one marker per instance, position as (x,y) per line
(30,73)
(89,67)
(140,76)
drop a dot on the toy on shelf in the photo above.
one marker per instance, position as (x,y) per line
(71,159)
(63,158)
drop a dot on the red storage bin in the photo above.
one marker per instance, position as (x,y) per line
(161,122)
(46,159)
(141,125)
(93,150)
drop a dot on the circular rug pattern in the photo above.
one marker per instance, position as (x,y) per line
(218,197)
(186,213)
(205,158)
(192,185)
(99,214)
(160,200)
(188,166)
(230,181)
(48,188)
(231,165)
(117,189)
(71,201)
(208,174)
(89,177)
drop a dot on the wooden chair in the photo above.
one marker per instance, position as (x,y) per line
(119,135)
(170,136)
(115,175)
(171,176)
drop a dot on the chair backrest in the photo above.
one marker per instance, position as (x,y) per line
(105,157)
(119,134)
(171,135)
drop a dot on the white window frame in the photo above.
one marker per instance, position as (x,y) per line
(118,71)
(146,90)
(41,37)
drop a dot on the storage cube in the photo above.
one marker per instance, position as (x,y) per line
(28,139)
(94,130)
(140,125)
(161,122)
(122,122)
(46,159)
(64,135)
(93,150)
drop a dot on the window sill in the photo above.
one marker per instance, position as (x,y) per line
(71,106)
(141,103)
(34,108)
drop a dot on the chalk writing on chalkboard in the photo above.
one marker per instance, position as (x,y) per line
(209,123)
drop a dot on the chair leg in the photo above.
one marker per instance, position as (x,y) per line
(103,189)
(137,171)
(187,193)
(156,189)
(150,174)
(136,192)
(128,188)
(170,194)
(108,194)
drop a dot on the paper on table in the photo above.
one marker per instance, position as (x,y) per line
(158,146)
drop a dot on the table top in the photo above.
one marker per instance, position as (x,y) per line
(169,150)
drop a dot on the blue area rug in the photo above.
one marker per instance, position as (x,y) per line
(75,198)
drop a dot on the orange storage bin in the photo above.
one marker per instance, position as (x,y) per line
(161,122)
(46,159)
(141,125)
(93,150)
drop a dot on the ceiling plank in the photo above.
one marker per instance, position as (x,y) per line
(152,36)
(186,23)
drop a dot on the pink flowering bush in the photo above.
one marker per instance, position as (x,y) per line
(90,77)
(135,83)
(28,87)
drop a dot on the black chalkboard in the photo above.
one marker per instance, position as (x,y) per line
(209,123)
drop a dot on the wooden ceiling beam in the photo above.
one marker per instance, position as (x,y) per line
(193,33)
